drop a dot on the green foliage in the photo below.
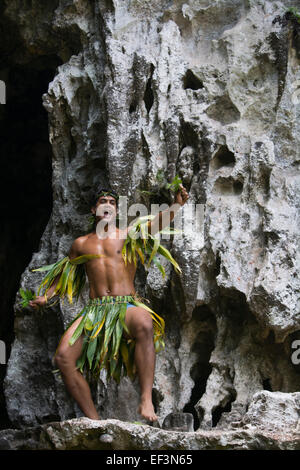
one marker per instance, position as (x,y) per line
(27,295)
(295,13)
(174,186)
(147,193)
(71,274)
(104,344)
(140,242)
(160,176)
(91,222)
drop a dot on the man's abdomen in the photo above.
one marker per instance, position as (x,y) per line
(111,278)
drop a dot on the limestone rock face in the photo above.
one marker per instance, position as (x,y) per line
(207,90)
(112,434)
(275,411)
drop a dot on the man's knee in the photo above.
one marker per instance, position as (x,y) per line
(62,359)
(144,327)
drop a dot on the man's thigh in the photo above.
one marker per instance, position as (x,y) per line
(135,319)
(64,346)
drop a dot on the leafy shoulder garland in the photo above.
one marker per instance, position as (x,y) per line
(139,243)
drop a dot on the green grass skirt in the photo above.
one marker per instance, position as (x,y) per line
(104,345)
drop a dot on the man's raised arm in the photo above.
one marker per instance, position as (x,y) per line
(163,218)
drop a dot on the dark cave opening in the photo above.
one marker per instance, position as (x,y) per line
(223,157)
(219,410)
(132,107)
(148,95)
(200,373)
(190,80)
(203,347)
(26,189)
(217,268)
(188,136)
(267,385)
(237,187)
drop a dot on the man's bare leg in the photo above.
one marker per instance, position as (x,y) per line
(139,323)
(75,383)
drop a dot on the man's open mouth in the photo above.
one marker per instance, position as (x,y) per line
(107,213)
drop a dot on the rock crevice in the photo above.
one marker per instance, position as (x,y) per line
(144,91)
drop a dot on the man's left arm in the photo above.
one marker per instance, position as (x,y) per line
(163,218)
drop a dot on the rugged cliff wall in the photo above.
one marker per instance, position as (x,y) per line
(208,90)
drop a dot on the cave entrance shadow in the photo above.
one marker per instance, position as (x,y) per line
(203,347)
(26,183)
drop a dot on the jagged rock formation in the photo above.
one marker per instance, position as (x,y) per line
(208,90)
(257,431)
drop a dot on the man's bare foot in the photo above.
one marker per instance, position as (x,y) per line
(93,415)
(146,410)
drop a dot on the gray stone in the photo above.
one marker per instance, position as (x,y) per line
(179,422)
(274,411)
(207,90)
(106,438)
(86,434)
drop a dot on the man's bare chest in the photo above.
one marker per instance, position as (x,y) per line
(109,247)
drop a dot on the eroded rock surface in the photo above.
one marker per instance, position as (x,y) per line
(86,434)
(207,90)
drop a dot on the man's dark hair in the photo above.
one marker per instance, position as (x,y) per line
(101,192)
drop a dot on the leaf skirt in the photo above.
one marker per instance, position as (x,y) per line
(104,345)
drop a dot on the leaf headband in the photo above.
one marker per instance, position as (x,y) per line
(108,193)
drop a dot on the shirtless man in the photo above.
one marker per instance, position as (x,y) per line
(110,276)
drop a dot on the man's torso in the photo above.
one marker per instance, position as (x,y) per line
(107,275)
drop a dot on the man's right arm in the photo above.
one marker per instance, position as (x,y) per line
(41,300)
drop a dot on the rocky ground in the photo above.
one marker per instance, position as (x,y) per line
(271,423)
(141,91)
(111,434)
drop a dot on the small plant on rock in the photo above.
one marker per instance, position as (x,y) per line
(294,13)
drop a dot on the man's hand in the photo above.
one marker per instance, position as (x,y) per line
(163,218)
(181,196)
(39,301)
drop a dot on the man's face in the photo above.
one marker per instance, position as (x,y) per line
(106,208)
